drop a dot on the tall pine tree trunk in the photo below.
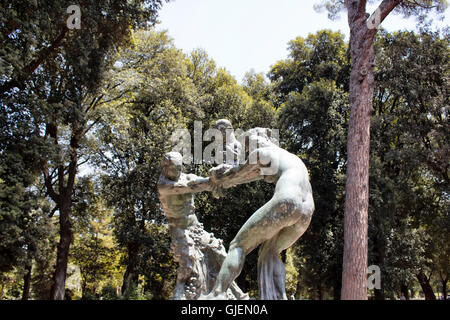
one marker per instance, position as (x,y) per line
(362,32)
(354,273)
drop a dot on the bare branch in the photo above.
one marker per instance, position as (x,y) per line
(48,184)
(94,103)
(91,125)
(385,8)
(53,211)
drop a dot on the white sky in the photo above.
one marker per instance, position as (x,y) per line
(241,35)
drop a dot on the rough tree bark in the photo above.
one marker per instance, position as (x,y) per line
(354,273)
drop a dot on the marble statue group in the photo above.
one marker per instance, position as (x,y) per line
(205,269)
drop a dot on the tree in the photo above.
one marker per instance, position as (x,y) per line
(310,87)
(319,139)
(163,90)
(157,97)
(35,21)
(60,89)
(323,55)
(409,66)
(25,225)
(363,28)
(94,250)
(409,123)
(247,106)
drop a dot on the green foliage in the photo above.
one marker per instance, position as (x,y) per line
(24,221)
(292,272)
(319,56)
(109,293)
(94,250)
(413,89)
(136,292)
(409,172)
(157,97)
(313,117)
(50,85)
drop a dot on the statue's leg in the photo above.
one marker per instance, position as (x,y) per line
(231,268)
(251,234)
(289,235)
(271,272)
(267,263)
(220,254)
(279,277)
(263,225)
(285,238)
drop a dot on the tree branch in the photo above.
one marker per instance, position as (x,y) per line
(53,211)
(29,69)
(361,9)
(48,184)
(91,125)
(93,103)
(356,9)
(385,8)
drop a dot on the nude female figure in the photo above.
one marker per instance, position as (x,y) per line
(276,225)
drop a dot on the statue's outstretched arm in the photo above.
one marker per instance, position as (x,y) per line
(194,185)
(240,174)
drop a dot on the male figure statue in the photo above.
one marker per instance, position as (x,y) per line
(198,252)
(231,152)
(231,146)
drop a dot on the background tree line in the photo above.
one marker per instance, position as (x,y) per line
(85,121)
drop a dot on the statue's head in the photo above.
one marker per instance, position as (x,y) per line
(172,165)
(259,138)
(222,125)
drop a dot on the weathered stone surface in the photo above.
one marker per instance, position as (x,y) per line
(200,256)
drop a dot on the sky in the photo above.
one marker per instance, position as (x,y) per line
(244,35)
